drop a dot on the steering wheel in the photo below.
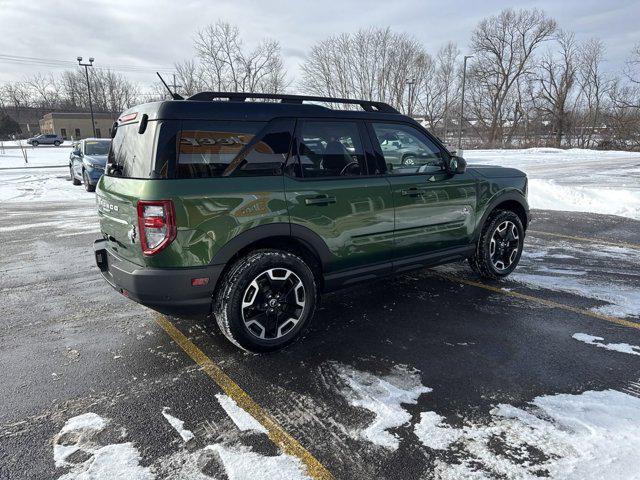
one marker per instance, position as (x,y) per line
(348,165)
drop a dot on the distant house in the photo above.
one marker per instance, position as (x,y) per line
(77,125)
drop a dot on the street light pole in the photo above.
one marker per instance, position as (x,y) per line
(410,83)
(464,80)
(86,72)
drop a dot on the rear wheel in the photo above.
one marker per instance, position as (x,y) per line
(266,300)
(87,183)
(500,245)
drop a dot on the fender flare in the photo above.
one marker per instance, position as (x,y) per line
(281,229)
(510,195)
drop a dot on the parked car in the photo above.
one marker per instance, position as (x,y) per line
(45,139)
(87,161)
(250,210)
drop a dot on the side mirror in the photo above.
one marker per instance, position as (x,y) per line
(457,164)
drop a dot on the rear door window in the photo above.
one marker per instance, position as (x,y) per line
(329,148)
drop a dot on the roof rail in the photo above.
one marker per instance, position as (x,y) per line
(366,105)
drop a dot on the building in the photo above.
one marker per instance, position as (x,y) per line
(74,126)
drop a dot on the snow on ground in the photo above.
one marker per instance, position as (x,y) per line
(37,180)
(616,347)
(579,272)
(243,420)
(594,434)
(243,464)
(178,425)
(119,461)
(384,398)
(581,180)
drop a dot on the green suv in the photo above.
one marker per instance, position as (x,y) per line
(249,210)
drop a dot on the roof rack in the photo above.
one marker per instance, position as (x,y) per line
(368,106)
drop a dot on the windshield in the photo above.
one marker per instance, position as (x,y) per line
(97,147)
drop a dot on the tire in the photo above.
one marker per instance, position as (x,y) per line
(498,258)
(409,160)
(56,143)
(262,276)
(87,183)
(34,144)
(74,180)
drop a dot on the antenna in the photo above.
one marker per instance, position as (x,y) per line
(175,96)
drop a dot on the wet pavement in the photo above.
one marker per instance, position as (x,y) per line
(440,341)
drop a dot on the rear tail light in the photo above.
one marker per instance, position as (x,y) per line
(157,224)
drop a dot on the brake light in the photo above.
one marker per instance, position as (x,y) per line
(157,224)
(128,117)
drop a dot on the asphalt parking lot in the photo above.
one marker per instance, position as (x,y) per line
(348,401)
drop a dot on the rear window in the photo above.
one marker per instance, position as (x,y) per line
(131,152)
(96,147)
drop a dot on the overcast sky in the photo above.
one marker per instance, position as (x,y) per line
(149,34)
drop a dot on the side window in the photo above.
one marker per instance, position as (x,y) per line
(407,150)
(330,149)
(224,149)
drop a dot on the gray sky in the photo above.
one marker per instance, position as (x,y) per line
(149,34)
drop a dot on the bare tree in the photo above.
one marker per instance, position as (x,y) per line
(440,88)
(557,78)
(228,66)
(594,87)
(372,64)
(503,46)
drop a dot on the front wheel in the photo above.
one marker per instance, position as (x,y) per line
(500,245)
(87,183)
(34,144)
(409,161)
(56,143)
(74,180)
(266,300)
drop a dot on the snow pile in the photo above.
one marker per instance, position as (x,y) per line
(606,182)
(616,347)
(384,398)
(120,461)
(178,425)
(591,435)
(243,420)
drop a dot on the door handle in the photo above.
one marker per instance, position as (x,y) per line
(412,192)
(320,200)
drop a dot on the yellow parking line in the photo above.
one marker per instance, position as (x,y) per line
(585,239)
(276,433)
(541,301)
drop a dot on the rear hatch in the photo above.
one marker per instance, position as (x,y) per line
(132,165)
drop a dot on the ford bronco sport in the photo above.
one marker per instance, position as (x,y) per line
(250,209)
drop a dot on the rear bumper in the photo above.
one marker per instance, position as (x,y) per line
(163,289)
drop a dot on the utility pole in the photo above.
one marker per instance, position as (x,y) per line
(86,72)
(464,81)
(410,82)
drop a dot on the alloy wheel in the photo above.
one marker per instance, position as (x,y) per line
(273,303)
(504,245)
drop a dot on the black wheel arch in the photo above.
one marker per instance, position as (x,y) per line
(292,238)
(511,200)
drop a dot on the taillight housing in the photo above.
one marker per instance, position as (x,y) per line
(157,225)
